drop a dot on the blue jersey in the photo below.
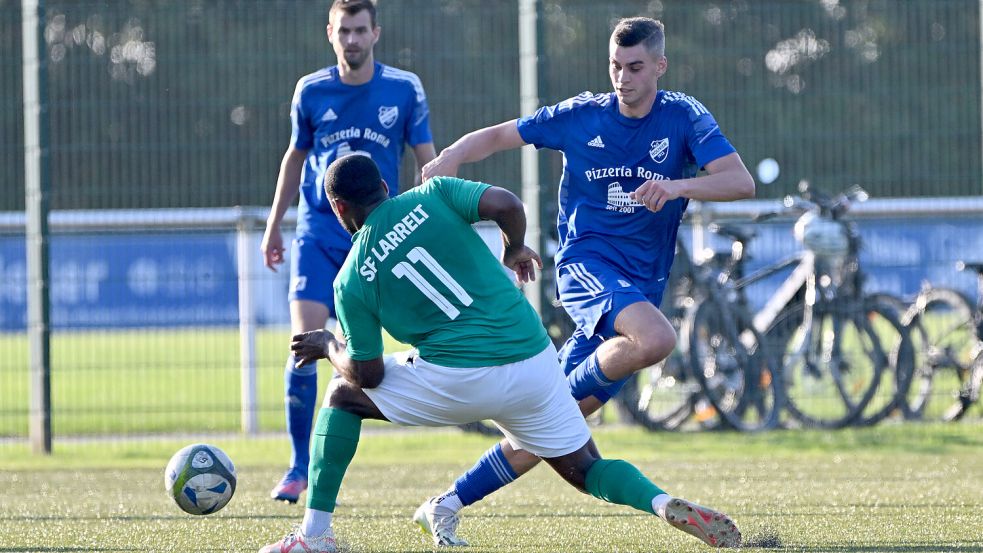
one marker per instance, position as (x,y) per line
(607,155)
(331,119)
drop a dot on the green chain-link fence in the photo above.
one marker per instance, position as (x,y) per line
(184,103)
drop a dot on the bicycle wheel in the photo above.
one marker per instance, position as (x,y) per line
(832,363)
(975,389)
(884,312)
(944,344)
(660,397)
(737,376)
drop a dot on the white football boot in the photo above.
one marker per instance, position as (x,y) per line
(440,523)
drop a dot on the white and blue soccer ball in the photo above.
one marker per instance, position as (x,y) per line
(200,479)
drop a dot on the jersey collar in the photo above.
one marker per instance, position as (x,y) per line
(630,121)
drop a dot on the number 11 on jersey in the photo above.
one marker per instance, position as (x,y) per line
(419,255)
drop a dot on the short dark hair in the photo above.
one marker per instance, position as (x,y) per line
(355,179)
(352,7)
(641,30)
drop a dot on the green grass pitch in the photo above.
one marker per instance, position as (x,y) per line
(896,488)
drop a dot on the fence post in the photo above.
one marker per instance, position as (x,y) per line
(529,102)
(36,188)
(245,250)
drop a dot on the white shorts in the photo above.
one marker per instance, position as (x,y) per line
(528,400)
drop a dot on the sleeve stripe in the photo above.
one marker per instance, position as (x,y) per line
(708,134)
(406,76)
(308,80)
(693,103)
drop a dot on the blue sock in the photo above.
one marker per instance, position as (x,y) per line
(588,380)
(300,398)
(490,473)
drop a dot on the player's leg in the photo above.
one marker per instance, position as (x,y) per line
(607,306)
(621,483)
(502,463)
(552,427)
(408,395)
(644,337)
(336,436)
(312,269)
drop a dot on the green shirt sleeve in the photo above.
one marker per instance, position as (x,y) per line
(359,325)
(462,196)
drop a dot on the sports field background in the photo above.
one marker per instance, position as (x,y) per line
(184,104)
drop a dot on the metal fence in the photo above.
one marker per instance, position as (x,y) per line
(184,104)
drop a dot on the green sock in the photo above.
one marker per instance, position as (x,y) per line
(335,440)
(617,481)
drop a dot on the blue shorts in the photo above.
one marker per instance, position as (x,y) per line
(593,294)
(313,268)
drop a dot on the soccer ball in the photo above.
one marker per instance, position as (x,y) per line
(200,479)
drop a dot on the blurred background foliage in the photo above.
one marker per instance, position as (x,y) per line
(184,103)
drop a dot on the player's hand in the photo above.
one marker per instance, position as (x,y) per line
(654,194)
(272,247)
(311,346)
(441,166)
(523,260)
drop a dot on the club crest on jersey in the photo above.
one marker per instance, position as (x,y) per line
(388,116)
(659,150)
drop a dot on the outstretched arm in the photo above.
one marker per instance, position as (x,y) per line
(503,207)
(727,180)
(474,146)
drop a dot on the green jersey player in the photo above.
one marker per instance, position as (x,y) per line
(419,271)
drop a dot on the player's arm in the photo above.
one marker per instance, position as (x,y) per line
(364,374)
(727,179)
(287,185)
(506,209)
(424,154)
(474,146)
(321,344)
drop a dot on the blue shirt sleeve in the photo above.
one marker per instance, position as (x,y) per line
(418,123)
(547,128)
(704,138)
(301,132)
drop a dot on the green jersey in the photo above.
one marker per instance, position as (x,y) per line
(418,270)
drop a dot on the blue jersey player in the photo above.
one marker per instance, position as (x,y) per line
(359,106)
(630,163)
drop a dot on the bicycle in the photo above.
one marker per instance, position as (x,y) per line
(946,332)
(720,371)
(828,334)
(665,395)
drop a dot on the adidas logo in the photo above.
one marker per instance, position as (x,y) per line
(597,142)
(329,116)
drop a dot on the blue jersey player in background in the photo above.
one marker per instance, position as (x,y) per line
(359,106)
(630,163)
